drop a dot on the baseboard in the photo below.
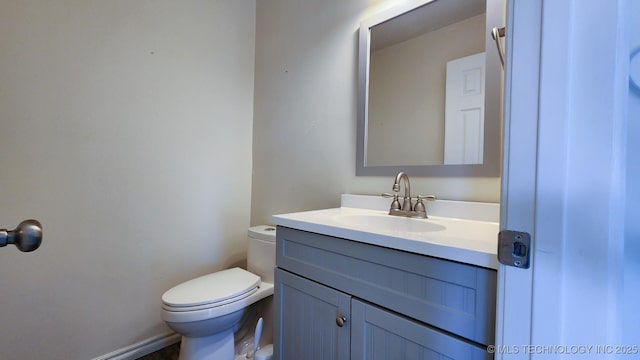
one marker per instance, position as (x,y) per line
(142,348)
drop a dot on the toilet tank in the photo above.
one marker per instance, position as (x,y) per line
(261,251)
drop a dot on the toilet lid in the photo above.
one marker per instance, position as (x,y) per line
(212,288)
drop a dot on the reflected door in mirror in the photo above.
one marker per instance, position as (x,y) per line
(464,111)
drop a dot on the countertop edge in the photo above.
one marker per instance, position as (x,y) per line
(448,252)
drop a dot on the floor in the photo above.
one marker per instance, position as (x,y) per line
(168,353)
(171,353)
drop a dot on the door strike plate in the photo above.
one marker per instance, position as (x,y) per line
(514,248)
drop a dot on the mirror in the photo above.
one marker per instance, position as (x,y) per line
(415,61)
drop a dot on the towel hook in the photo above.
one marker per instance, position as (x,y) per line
(496,34)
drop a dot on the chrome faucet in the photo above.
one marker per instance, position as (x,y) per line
(406,203)
(407,208)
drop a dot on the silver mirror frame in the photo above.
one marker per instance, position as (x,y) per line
(495,12)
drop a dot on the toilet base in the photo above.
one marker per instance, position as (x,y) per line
(214,338)
(214,347)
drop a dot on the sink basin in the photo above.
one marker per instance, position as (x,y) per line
(383,222)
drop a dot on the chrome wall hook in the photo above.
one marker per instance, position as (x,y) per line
(496,34)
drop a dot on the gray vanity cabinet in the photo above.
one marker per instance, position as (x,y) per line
(343,299)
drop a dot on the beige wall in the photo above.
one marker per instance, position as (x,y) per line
(305,112)
(126,129)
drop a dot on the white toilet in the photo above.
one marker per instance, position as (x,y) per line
(207,310)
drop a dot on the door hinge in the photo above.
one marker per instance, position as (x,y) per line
(514,248)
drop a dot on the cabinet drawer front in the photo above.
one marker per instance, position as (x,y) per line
(456,297)
(377,334)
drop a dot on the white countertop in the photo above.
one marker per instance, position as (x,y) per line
(464,240)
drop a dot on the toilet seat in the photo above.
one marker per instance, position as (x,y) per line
(212,304)
(185,316)
(212,290)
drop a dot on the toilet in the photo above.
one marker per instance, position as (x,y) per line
(207,310)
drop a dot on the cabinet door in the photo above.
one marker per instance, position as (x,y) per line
(306,320)
(379,334)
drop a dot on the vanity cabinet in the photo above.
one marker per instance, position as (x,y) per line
(343,299)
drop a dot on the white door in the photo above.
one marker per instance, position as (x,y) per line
(514,300)
(565,182)
(464,110)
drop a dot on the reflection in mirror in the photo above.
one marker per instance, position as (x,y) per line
(422,102)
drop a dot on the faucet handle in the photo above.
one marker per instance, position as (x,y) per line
(426,197)
(395,204)
(420,209)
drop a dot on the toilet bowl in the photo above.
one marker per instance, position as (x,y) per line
(208,310)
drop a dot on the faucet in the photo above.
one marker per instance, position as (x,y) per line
(407,209)
(406,203)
